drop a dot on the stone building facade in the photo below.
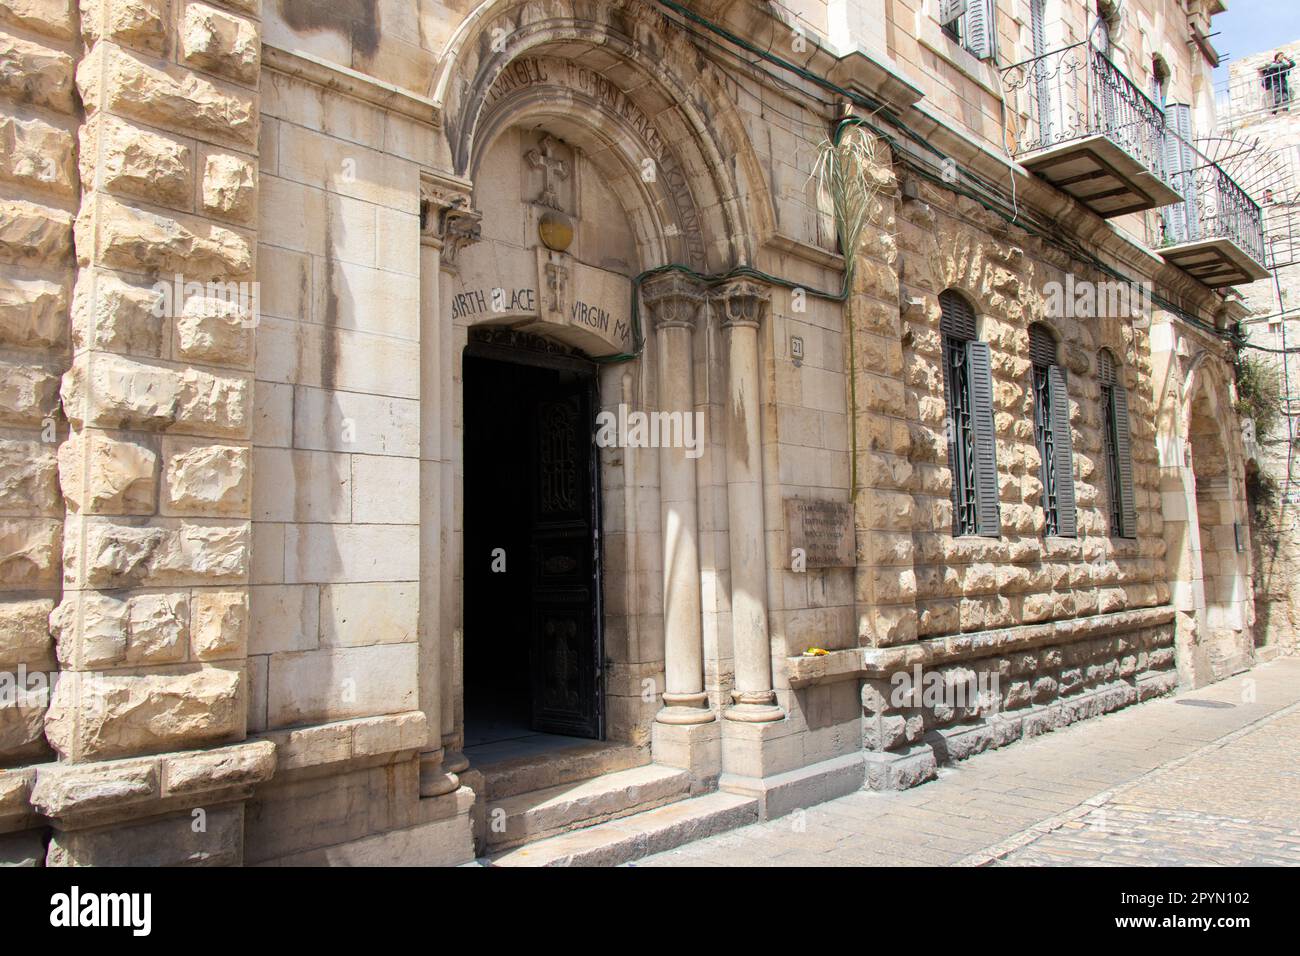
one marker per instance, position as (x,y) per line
(326,330)
(1253,108)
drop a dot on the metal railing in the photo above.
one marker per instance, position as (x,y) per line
(1257,94)
(1213,206)
(1076,92)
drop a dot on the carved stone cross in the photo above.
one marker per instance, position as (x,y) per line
(543,158)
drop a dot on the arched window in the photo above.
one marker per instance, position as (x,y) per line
(1159,79)
(1052,434)
(1119,455)
(972,447)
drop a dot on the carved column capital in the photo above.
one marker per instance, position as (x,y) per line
(742,302)
(447,218)
(674,300)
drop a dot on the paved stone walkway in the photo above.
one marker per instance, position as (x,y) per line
(1207,777)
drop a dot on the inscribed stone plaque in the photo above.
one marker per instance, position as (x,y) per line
(823,529)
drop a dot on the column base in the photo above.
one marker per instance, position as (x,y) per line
(435,780)
(690,708)
(754,713)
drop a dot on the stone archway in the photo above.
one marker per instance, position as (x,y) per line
(1220,534)
(615,98)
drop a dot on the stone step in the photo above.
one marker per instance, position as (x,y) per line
(506,778)
(527,817)
(630,838)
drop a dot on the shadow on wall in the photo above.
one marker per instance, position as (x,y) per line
(358,20)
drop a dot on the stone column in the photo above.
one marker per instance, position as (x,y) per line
(457,225)
(742,304)
(442,202)
(674,302)
(156,471)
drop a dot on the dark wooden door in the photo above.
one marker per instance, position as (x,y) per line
(565,646)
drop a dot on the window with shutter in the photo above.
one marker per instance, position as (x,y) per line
(1052,434)
(968,386)
(979,28)
(1119,447)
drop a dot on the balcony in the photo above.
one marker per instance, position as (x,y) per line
(1090,131)
(1216,233)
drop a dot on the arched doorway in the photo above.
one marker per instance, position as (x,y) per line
(574,127)
(1220,547)
(546,288)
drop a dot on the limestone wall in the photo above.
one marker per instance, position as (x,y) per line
(335,494)
(39,192)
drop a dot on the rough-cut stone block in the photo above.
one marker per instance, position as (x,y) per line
(104,630)
(24,631)
(33,74)
(50,17)
(33,313)
(102,475)
(899,771)
(28,393)
(172,98)
(114,315)
(217,329)
(163,553)
(205,479)
(119,715)
(32,234)
(36,154)
(324,685)
(230,187)
(219,625)
(29,478)
(29,552)
(217,41)
(116,392)
(22,718)
(137,162)
(240,765)
(135,239)
(136,23)
(60,791)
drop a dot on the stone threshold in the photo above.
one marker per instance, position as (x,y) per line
(930,652)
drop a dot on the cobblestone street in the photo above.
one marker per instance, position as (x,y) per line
(1209,777)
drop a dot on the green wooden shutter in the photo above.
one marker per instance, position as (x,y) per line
(988,518)
(980,28)
(1124,462)
(1067,525)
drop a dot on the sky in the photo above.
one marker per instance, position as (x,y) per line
(1252,26)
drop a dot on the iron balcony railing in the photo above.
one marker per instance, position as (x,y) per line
(1213,206)
(1077,92)
(1257,94)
